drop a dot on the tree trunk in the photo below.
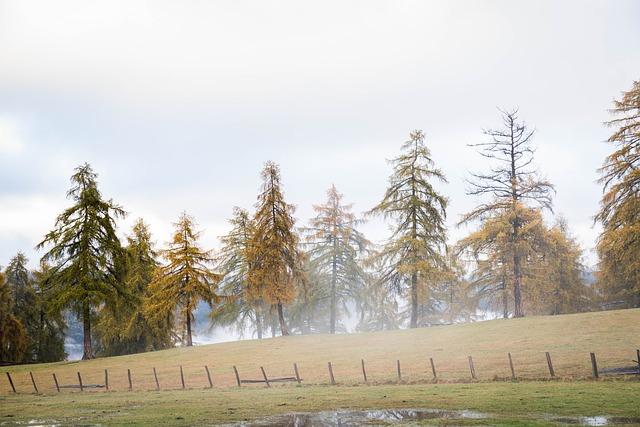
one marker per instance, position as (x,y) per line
(334,273)
(414,300)
(259,322)
(283,325)
(189,339)
(505,301)
(517,288)
(86,326)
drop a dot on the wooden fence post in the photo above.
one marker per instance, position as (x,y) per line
(295,369)
(55,380)
(182,377)
(594,365)
(13,387)
(638,359)
(364,372)
(399,372)
(237,376)
(513,372)
(106,379)
(33,381)
(129,377)
(155,375)
(206,368)
(551,371)
(264,375)
(472,368)
(333,380)
(80,381)
(433,368)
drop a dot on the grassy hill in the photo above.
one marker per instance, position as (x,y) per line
(613,335)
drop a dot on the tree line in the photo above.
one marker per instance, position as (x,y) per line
(272,276)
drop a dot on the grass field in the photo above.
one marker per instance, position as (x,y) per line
(612,335)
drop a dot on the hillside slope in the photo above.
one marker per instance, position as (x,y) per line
(614,336)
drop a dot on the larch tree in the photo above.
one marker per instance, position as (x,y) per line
(237,307)
(185,279)
(334,247)
(415,248)
(50,327)
(510,184)
(24,299)
(13,336)
(618,245)
(273,253)
(85,253)
(124,328)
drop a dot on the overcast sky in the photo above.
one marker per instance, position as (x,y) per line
(177,105)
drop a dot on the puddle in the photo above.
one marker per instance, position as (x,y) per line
(384,417)
(358,418)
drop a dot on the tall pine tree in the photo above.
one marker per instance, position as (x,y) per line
(274,257)
(334,247)
(185,280)
(85,253)
(415,248)
(618,246)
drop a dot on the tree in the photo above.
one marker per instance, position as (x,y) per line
(85,252)
(124,327)
(334,246)
(618,245)
(237,306)
(24,301)
(563,270)
(275,260)
(510,183)
(415,248)
(13,336)
(185,280)
(50,328)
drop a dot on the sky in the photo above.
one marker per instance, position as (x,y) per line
(177,105)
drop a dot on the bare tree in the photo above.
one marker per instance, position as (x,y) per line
(510,184)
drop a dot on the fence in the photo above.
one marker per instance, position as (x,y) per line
(429,366)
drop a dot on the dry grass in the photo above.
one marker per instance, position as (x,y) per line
(612,335)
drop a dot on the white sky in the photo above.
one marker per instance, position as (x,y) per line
(178,104)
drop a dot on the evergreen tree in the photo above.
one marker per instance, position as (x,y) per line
(563,270)
(24,301)
(509,184)
(378,307)
(124,328)
(414,250)
(618,246)
(185,280)
(85,252)
(334,246)
(237,307)
(50,328)
(275,260)
(13,336)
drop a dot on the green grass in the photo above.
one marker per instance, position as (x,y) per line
(612,335)
(509,403)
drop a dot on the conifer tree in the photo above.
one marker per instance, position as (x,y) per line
(124,328)
(85,253)
(334,246)
(275,260)
(411,200)
(509,185)
(13,336)
(237,305)
(185,279)
(24,300)
(618,246)
(50,328)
